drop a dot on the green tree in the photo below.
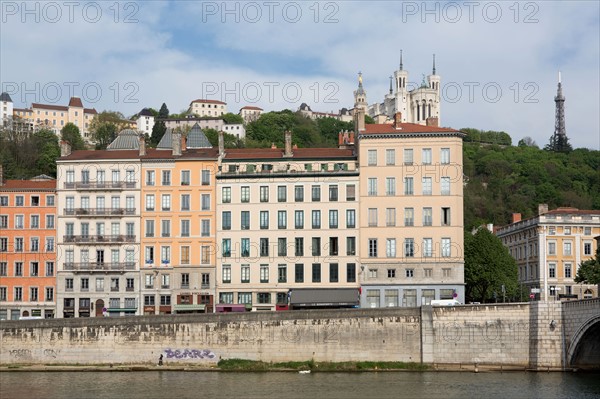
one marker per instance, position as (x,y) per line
(231,118)
(558,143)
(488,266)
(163,113)
(229,140)
(589,270)
(104,133)
(70,133)
(159,129)
(47,150)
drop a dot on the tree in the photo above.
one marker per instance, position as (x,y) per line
(589,270)
(70,133)
(527,142)
(229,140)
(488,266)
(368,120)
(163,113)
(47,151)
(232,118)
(159,129)
(559,143)
(103,134)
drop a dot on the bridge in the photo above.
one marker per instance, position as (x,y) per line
(581,331)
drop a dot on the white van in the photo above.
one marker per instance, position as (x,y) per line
(445,302)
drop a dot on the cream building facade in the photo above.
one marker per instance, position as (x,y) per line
(549,248)
(210,108)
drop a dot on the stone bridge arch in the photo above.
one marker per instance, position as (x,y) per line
(584,348)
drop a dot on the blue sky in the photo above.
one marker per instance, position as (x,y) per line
(498,60)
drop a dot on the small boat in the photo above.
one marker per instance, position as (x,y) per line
(304,372)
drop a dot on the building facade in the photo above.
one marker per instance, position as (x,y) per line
(287,228)
(250,113)
(27,248)
(144,121)
(6,110)
(549,248)
(210,108)
(343,115)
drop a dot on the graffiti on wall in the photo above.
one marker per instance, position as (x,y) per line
(189,354)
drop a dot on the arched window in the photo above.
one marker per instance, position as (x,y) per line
(418,112)
(429,109)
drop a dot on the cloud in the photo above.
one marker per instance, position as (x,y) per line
(178,50)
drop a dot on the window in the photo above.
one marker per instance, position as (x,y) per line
(19,222)
(390,186)
(205,253)
(34,222)
(264,193)
(427,188)
(3,200)
(409,217)
(316,272)
(245,273)
(206,177)
(3,244)
(446,250)
(226,297)
(551,248)
(333,219)
(264,247)
(185,228)
(165,228)
(372,213)
(226,274)
(373,299)
(245,194)
(410,273)
(18,294)
(409,247)
(205,202)
(282,247)
(426,156)
(226,195)
(226,247)
(281,219)
(567,248)
(391,273)
(3,269)
(567,231)
(350,245)
(568,270)
(427,247)
(552,270)
(226,220)
(166,177)
(428,273)
(49,294)
(372,186)
(282,273)
(333,193)
(4,221)
(245,220)
(587,248)
(390,157)
(299,219)
(445,185)
(185,202)
(19,200)
(587,231)
(372,157)
(390,247)
(427,216)
(264,220)
(85,284)
(350,218)
(149,202)
(299,273)
(408,156)
(264,273)
(299,246)
(408,186)
(150,178)
(18,244)
(281,193)
(372,247)
(351,272)
(49,269)
(316,219)
(316,193)
(350,192)
(316,246)
(245,298)
(333,246)
(34,245)
(299,193)
(185,177)
(165,254)
(205,228)
(445,216)
(445,156)
(185,280)
(264,297)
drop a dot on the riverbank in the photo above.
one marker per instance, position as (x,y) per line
(242,365)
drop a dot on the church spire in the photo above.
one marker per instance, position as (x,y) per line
(433,65)
(401,65)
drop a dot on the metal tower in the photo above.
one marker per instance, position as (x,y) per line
(559,123)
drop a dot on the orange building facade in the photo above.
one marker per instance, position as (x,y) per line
(27,249)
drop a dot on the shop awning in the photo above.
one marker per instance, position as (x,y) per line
(188,307)
(324,297)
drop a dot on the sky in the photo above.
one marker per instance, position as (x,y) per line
(498,61)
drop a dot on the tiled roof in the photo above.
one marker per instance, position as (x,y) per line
(75,102)
(151,154)
(5,97)
(252,108)
(572,211)
(28,185)
(48,106)
(384,128)
(126,140)
(197,139)
(145,112)
(90,111)
(277,153)
(209,101)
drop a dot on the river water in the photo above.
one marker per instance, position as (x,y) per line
(286,385)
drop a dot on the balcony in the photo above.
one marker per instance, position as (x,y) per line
(99,266)
(92,212)
(79,185)
(99,239)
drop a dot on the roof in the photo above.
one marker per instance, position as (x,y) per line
(208,101)
(75,102)
(127,139)
(47,106)
(15,185)
(151,154)
(5,97)
(385,128)
(297,153)
(166,141)
(145,112)
(572,211)
(252,108)
(197,139)
(90,111)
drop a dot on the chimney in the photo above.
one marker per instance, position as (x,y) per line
(65,148)
(183,143)
(295,147)
(142,143)
(176,143)
(542,208)
(273,146)
(516,217)
(221,144)
(397,120)
(288,144)
(359,120)
(432,121)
